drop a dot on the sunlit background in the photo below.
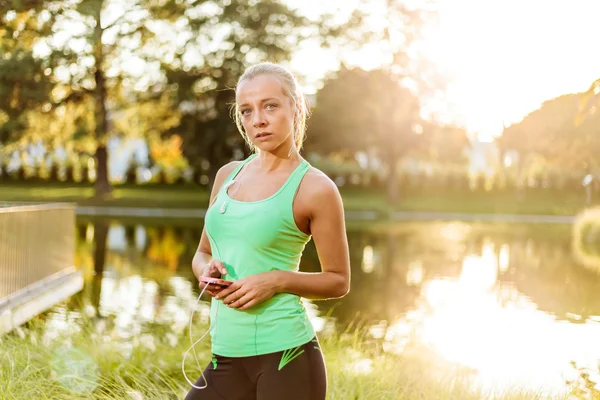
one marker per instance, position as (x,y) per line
(463,136)
(500,59)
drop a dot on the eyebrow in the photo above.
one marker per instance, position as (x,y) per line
(262,101)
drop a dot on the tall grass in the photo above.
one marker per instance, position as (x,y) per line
(87,360)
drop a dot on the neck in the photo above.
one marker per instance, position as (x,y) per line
(270,161)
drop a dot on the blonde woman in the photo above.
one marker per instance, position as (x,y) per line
(262,213)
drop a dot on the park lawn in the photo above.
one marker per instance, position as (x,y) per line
(540,201)
(163,196)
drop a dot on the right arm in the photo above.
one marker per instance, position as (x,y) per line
(203,263)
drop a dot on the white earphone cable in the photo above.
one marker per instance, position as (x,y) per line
(193,344)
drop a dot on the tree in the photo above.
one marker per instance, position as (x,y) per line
(553,134)
(249,31)
(192,51)
(443,144)
(445,148)
(24,83)
(393,111)
(366,111)
(80,65)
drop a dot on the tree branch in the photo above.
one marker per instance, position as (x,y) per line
(74,96)
(121,18)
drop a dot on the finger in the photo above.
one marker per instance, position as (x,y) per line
(249,304)
(213,290)
(235,296)
(218,264)
(202,285)
(228,291)
(213,271)
(232,297)
(243,300)
(207,289)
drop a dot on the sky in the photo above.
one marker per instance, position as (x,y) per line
(501,58)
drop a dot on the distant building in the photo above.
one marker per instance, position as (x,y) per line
(483,157)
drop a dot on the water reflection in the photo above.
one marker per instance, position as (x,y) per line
(509,303)
(489,326)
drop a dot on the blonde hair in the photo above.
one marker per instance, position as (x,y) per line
(291,89)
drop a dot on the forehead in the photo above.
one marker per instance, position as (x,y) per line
(259,87)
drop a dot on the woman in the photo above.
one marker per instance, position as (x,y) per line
(263,212)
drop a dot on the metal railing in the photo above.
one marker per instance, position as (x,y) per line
(37,243)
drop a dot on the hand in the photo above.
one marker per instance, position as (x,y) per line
(214,269)
(250,291)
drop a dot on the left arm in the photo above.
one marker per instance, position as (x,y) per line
(328,230)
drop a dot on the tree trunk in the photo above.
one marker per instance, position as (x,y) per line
(100,237)
(103,186)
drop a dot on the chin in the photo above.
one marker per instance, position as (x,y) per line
(268,146)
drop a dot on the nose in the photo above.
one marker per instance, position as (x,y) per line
(258,119)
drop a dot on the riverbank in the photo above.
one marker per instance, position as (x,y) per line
(190,197)
(137,213)
(71,360)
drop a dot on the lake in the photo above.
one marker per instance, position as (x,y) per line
(514,304)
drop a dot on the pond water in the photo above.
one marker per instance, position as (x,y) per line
(515,304)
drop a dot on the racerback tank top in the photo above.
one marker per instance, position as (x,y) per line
(251,238)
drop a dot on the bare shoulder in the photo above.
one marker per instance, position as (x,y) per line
(221,175)
(318,189)
(228,168)
(225,171)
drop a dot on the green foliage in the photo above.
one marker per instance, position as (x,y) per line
(248,32)
(194,52)
(551,132)
(24,83)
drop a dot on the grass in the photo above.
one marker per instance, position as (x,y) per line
(537,201)
(122,196)
(91,361)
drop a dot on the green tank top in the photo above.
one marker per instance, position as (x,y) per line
(251,238)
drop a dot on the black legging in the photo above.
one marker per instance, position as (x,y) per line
(294,374)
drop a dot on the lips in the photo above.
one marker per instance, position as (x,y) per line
(262,135)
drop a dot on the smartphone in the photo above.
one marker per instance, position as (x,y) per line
(215,281)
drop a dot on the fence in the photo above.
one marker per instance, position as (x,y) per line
(37,246)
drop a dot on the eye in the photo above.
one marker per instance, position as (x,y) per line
(245,111)
(270,106)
